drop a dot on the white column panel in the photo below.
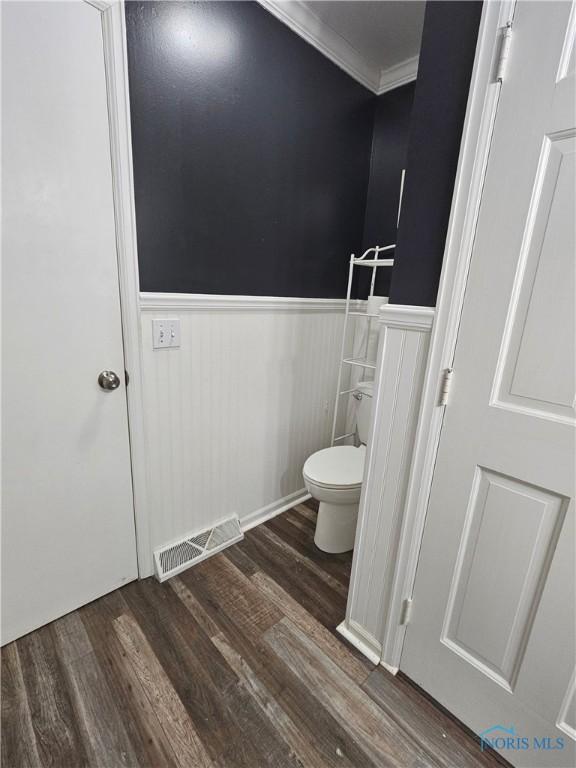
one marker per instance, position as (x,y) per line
(402,355)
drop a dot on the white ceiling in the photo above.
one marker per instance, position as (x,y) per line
(377,42)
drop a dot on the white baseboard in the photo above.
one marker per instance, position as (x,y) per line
(252,519)
(369,647)
(389,668)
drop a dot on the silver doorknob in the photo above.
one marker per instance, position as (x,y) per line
(108,380)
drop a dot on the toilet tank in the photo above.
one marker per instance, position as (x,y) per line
(364,409)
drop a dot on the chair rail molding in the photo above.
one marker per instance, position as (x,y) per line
(197,302)
(407,525)
(402,354)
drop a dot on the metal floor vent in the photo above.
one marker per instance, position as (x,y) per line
(175,558)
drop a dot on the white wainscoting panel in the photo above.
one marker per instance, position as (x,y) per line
(233,413)
(402,356)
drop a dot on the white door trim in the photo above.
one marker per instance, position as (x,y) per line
(475,147)
(116,63)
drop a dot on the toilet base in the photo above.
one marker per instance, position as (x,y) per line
(336,527)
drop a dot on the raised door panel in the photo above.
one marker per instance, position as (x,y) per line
(537,369)
(508,539)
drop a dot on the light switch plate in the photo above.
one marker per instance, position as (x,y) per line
(166,333)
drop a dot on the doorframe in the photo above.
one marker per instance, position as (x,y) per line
(475,149)
(118,98)
(475,146)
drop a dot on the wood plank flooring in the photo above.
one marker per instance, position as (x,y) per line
(235,663)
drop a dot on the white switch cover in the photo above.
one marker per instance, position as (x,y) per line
(166,333)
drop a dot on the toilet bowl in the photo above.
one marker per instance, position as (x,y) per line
(333,476)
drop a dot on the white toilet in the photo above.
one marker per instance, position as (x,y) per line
(333,476)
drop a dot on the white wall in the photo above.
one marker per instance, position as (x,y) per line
(232,414)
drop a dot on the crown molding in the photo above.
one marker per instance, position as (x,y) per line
(399,74)
(308,26)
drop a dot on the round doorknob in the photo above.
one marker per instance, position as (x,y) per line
(108,380)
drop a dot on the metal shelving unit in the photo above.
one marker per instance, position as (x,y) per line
(348,359)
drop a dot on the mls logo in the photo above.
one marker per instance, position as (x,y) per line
(500,737)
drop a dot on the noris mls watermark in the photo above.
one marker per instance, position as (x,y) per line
(501,737)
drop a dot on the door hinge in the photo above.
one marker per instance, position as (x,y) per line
(446,385)
(126,377)
(406,611)
(504,52)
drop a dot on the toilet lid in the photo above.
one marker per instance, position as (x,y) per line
(342,465)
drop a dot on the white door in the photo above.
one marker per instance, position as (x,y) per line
(492,632)
(67,520)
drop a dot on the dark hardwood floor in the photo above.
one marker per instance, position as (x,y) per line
(234,663)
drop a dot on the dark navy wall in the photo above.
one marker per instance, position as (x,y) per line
(446,59)
(256,171)
(389,149)
(251,153)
